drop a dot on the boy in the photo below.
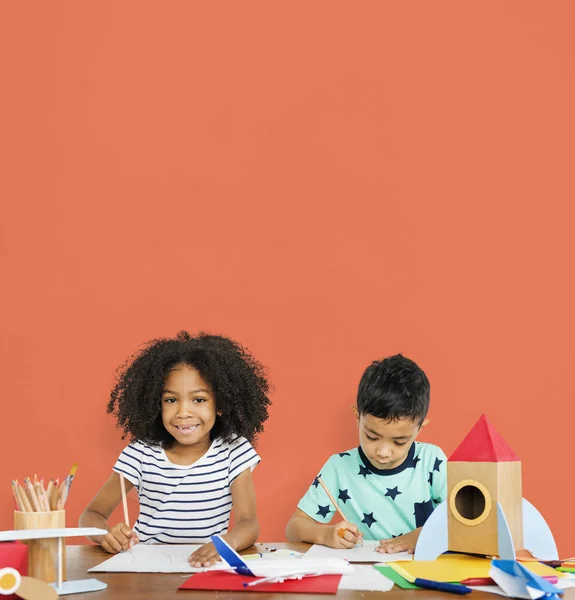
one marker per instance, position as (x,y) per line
(390,484)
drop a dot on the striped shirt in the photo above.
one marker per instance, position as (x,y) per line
(184,504)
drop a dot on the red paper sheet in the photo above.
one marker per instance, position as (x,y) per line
(223,581)
(15,555)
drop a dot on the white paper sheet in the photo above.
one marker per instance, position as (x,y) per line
(565,584)
(366,579)
(153,558)
(490,589)
(365,553)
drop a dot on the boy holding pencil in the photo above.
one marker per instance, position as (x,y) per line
(386,488)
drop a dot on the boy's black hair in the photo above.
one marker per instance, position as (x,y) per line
(237,379)
(394,388)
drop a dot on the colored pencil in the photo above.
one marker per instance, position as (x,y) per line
(45,497)
(49,493)
(341,532)
(337,508)
(32,495)
(54,498)
(24,497)
(19,503)
(124,499)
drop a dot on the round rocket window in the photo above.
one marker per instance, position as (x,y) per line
(470,502)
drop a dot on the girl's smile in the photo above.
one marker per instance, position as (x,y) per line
(187,428)
(188,408)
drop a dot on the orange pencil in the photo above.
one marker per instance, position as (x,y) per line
(341,532)
(332,500)
(24,497)
(49,494)
(54,496)
(124,500)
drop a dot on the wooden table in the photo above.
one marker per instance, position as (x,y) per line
(163,586)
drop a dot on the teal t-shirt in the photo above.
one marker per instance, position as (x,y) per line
(383,503)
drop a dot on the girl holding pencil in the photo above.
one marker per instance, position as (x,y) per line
(191,406)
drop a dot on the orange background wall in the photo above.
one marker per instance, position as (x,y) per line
(326,182)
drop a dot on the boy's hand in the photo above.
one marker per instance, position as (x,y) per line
(341,535)
(402,543)
(205,556)
(119,538)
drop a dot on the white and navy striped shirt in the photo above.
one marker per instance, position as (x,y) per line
(184,504)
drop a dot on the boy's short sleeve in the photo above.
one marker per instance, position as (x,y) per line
(316,503)
(129,463)
(242,456)
(439,484)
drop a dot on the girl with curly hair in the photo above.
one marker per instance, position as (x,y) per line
(190,405)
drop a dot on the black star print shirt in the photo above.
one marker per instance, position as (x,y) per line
(382,503)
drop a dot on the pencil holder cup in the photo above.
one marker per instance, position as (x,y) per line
(43,553)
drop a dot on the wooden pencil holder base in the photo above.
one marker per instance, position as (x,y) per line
(43,554)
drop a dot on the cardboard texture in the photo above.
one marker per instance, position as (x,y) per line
(34,589)
(473,490)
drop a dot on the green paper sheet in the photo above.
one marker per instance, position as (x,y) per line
(397,578)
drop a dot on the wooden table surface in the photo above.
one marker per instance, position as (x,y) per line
(163,586)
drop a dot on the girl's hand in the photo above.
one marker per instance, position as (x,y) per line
(205,556)
(402,543)
(119,538)
(341,535)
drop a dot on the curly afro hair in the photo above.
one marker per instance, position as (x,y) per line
(237,379)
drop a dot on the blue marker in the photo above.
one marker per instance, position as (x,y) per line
(440,586)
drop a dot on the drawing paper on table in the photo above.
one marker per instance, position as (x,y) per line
(153,558)
(365,553)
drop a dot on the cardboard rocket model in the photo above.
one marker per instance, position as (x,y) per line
(484,512)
